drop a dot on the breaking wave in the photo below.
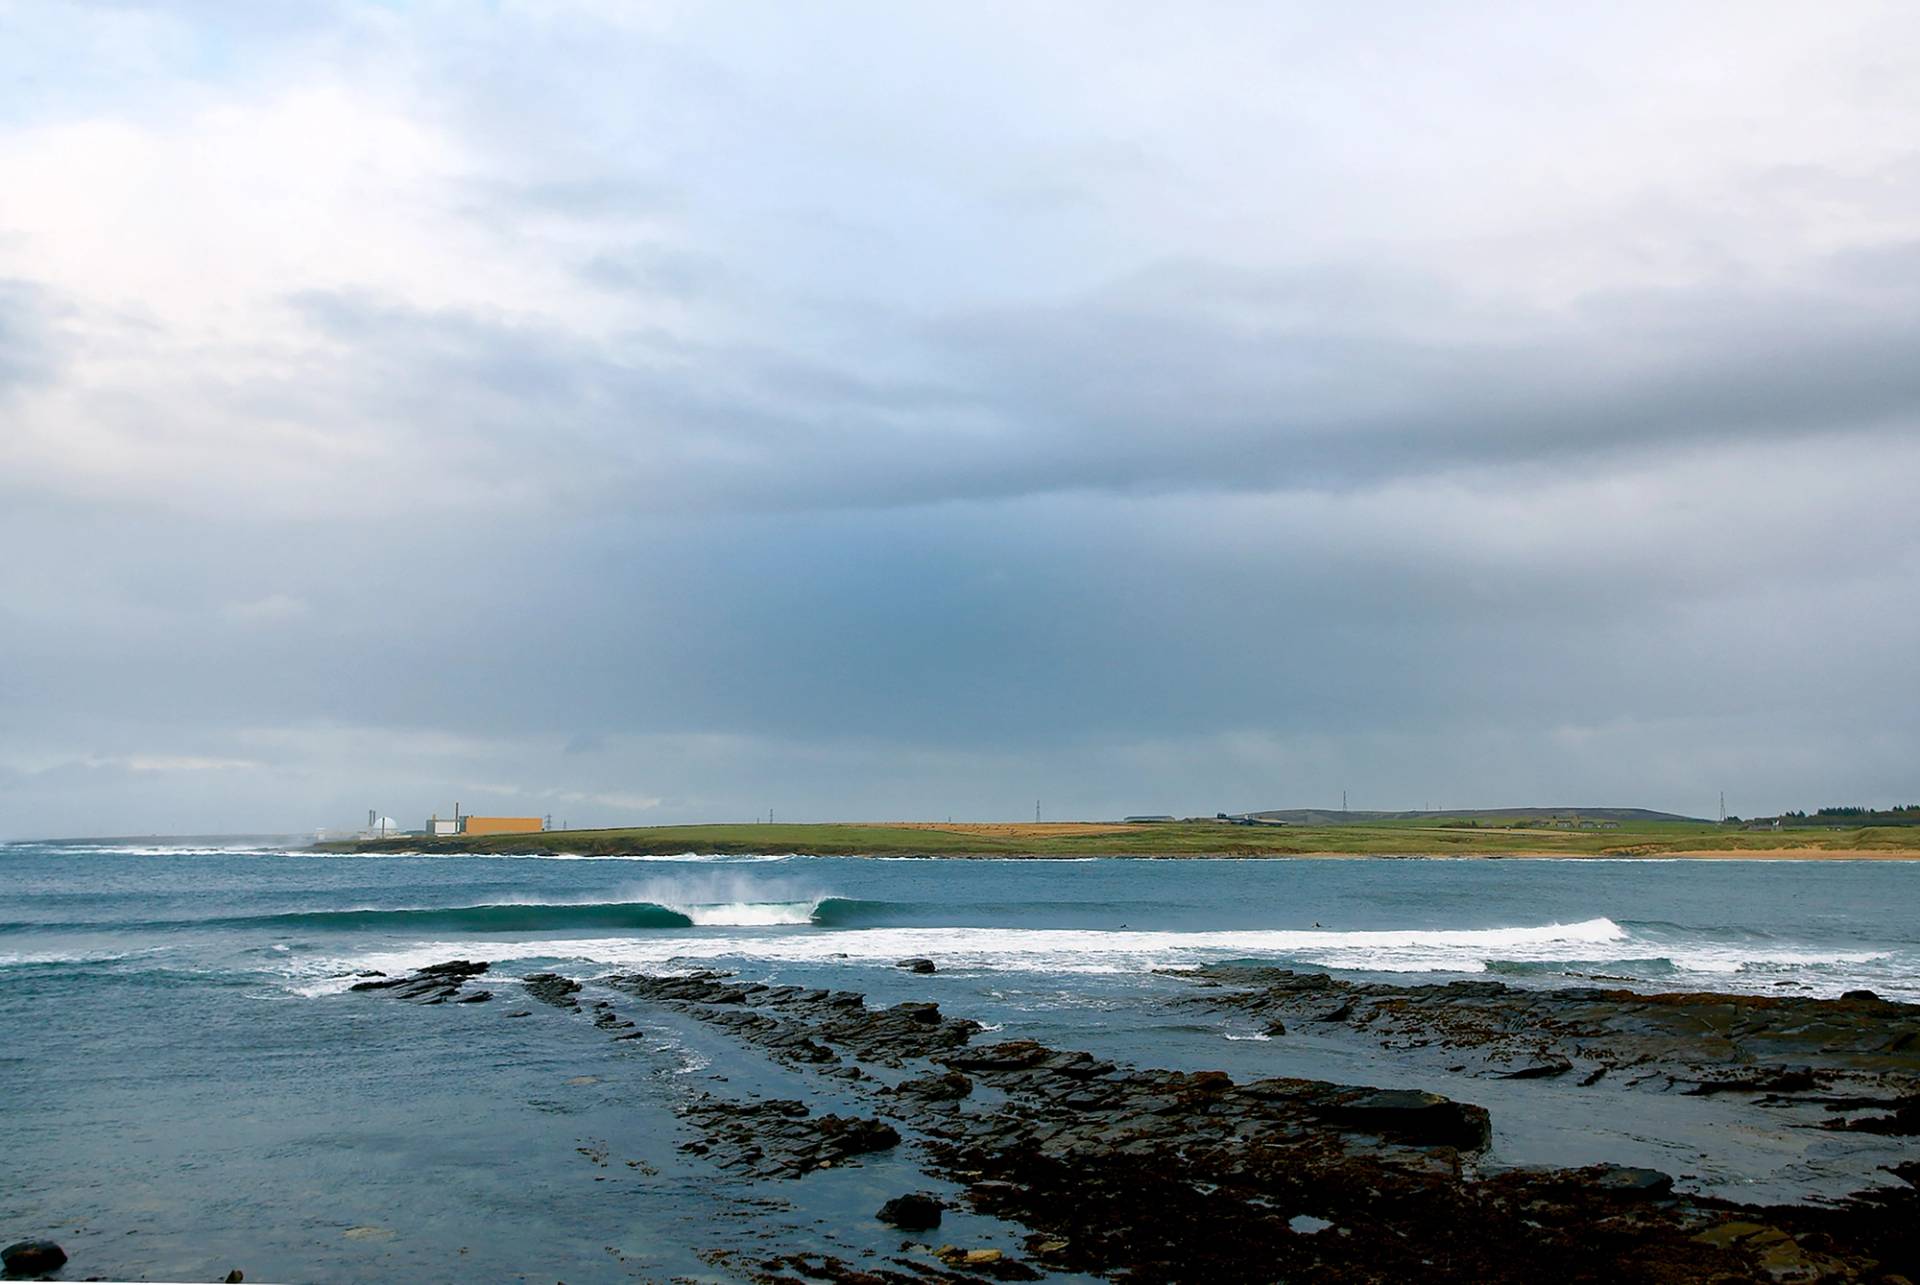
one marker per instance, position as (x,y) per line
(511,917)
(1060,949)
(525,917)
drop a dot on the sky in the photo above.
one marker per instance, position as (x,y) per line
(646,413)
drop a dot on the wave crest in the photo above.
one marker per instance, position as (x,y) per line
(521,917)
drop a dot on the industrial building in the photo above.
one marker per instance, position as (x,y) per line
(438,827)
(501,825)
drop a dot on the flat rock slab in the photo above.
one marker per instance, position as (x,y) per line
(434,984)
(1858,1054)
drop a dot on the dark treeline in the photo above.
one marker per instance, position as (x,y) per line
(1900,814)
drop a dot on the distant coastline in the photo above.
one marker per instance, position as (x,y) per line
(1193,840)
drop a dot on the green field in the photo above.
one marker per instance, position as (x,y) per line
(1424,837)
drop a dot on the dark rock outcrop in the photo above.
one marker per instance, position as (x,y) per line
(781,1138)
(32,1258)
(434,984)
(1852,1054)
(551,988)
(1424,1119)
(950,1086)
(915,1211)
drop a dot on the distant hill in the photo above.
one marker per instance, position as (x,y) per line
(1333,816)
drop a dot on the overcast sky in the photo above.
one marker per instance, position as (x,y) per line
(648,413)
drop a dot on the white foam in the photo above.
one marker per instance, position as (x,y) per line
(1739,959)
(1051,950)
(746,914)
(14,959)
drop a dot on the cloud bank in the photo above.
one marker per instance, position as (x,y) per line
(649,413)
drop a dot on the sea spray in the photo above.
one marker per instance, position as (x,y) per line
(729,899)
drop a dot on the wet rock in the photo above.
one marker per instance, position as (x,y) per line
(1413,1115)
(1631,1182)
(916,965)
(780,1137)
(1772,1080)
(1013,1055)
(551,988)
(1797,1052)
(917,1211)
(950,1087)
(32,1258)
(852,1136)
(1903,1120)
(433,984)
(1151,1175)
(925,1014)
(791,1269)
(461,968)
(806,1027)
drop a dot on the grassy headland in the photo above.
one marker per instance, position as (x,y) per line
(1407,838)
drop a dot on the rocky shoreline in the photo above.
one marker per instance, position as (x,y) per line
(1150,1175)
(1857,1058)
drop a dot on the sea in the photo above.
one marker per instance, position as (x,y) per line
(188,1086)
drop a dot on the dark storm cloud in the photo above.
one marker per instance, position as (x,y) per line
(1215,378)
(1188,378)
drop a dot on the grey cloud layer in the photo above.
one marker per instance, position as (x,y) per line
(1188,378)
(654,413)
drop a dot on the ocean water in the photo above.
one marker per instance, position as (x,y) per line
(187,1085)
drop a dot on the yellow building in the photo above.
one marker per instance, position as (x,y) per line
(500,825)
